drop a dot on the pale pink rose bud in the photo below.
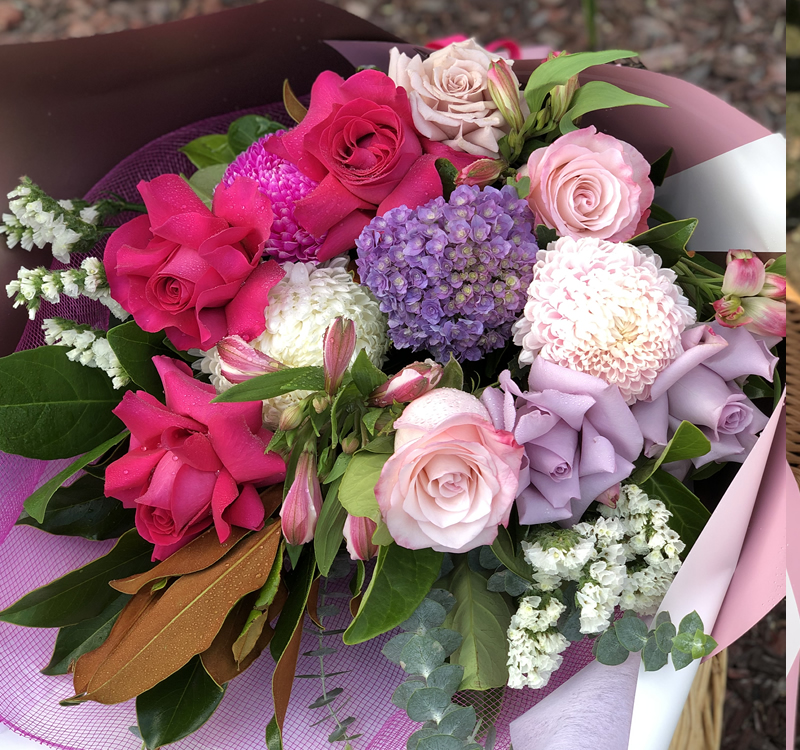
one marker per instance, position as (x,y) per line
(504,89)
(410,383)
(744,275)
(239,361)
(303,503)
(291,418)
(729,312)
(338,346)
(767,317)
(610,497)
(774,286)
(480,173)
(358,535)
(350,445)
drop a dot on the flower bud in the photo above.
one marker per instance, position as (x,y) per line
(239,361)
(303,503)
(729,312)
(320,402)
(291,418)
(766,317)
(744,274)
(358,535)
(504,89)
(610,497)
(410,383)
(481,172)
(350,444)
(556,103)
(338,346)
(774,286)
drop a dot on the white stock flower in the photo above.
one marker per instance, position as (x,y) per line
(606,309)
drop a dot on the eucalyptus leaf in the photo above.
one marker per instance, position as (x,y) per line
(691,623)
(595,95)
(609,650)
(447,677)
(421,655)
(680,660)
(440,742)
(178,705)
(275,384)
(668,240)
(652,656)
(569,625)
(51,407)
(394,647)
(427,704)
(429,614)
(631,633)
(449,640)
(664,634)
(459,721)
(404,691)
(443,597)
(208,150)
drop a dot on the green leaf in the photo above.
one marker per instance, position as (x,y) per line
(331,695)
(328,535)
(689,515)
(381,444)
(51,407)
(75,640)
(365,375)
(660,215)
(503,548)
(680,660)
(36,505)
(757,387)
(208,150)
(298,581)
(427,704)
(778,265)
(652,656)
(569,625)
(177,706)
(668,240)
(394,647)
(691,623)
(273,582)
(421,655)
(595,95)
(559,70)
(245,131)
(448,639)
(664,634)
(399,583)
(404,691)
(609,650)
(275,384)
(440,742)
(687,442)
(84,593)
(658,169)
(429,614)
(447,174)
(447,677)
(482,618)
(631,633)
(135,350)
(521,185)
(82,509)
(357,490)
(204,182)
(459,721)
(452,375)
(545,235)
(273,735)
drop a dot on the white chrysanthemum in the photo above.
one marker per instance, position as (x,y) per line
(301,307)
(604,308)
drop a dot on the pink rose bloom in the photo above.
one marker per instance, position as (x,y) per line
(452,478)
(588,184)
(358,141)
(191,463)
(193,273)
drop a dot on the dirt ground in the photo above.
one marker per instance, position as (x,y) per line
(734,48)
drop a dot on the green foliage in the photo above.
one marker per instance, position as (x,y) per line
(245,131)
(357,490)
(447,174)
(135,350)
(365,375)
(668,240)
(275,384)
(658,169)
(545,235)
(687,442)
(595,95)
(328,535)
(452,375)
(204,181)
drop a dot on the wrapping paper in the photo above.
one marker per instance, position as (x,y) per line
(792,614)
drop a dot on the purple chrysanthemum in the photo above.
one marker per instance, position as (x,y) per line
(285,184)
(452,275)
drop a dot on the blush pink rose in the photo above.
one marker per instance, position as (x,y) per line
(192,272)
(588,184)
(191,463)
(358,141)
(452,478)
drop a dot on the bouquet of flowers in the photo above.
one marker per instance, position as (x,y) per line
(415,363)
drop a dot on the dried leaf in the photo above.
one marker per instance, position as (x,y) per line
(313,600)
(199,554)
(184,621)
(295,109)
(243,646)
(283,676)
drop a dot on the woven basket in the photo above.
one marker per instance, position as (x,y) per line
(700,725)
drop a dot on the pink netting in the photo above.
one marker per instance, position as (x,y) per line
(29,558)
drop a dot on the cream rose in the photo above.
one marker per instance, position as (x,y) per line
(588,184)
(452,478)
(449,96)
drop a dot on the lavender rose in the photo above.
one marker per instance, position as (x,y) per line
(580,439)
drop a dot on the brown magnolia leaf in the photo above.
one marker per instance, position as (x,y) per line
(355,603)
(272,497)
(184,621)
(311,604)
(87,664)
(199,554)
(295,109)
(283,676)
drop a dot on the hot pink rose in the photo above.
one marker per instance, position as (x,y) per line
(588,184)
(191,272)
(358,141)
(452,478)
(191,463)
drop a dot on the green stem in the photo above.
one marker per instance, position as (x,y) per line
(687,264)
(320,636)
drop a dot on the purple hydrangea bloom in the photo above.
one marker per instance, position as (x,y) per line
(285,184)
(451,275)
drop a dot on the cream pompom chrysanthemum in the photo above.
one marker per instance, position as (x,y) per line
(301,307)
(606,309)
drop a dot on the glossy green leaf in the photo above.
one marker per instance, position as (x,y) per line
(245,131)
(689,515)
(328,535)
(503,548)
(177,706)
(51,407)
(595,95)
(778,265)
(365,375)
(399,583)
(135,350)
(272,584)
(208,150)
(668,240)
(36,505)
(82,509)
(275,384)
(658,169)
(482,617)
(298,581)
(75,640)
(447,174)
(204,182)
(357,490)
(452,375)
(83,593)
(687,442)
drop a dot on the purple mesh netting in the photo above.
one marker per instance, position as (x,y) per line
(29,558)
